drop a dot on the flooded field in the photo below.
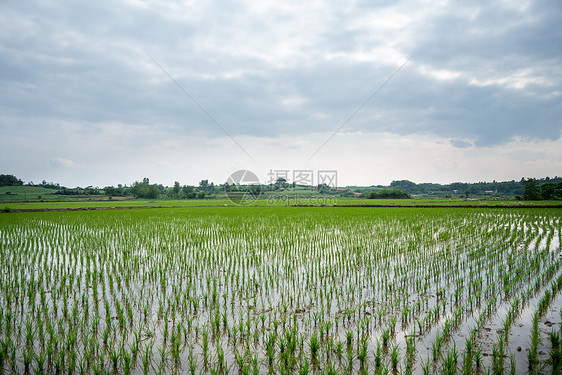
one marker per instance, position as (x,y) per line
(281,290)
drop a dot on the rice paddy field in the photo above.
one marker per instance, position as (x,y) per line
(281,290)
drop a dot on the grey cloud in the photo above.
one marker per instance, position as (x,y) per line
(86,63)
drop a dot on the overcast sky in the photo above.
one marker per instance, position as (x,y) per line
(83,103)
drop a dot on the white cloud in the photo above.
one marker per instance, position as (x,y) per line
(519,80)
(59,162)
(440,74)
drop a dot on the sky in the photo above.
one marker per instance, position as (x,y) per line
(109,92)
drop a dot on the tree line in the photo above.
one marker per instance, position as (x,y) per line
(536,190)
(529,189)
(387,194)
(146,190)
(505,188)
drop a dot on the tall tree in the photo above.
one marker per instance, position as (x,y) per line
(532,190)
(548,191)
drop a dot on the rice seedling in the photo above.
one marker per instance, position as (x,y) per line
(478,357)
(26,359)
(554,339)
(350,360)
(126,361)
(304,366)
(426,366)
(394,356)
(192,362)
(313,345)
(449,364)
(513,365)
(378,355)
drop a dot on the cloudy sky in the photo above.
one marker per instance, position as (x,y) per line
(83,100)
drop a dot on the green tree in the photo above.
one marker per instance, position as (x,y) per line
(387,194)
(405,185)
(548,191)
(532,190)
(110,191)
(255,190)
(9,180)
(144,190)
(187,192)
(281,182)
(323,188)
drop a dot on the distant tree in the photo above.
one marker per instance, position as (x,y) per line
(204,185)
(387,194)
(548,191)
(153,192)
(532,190)
(187,192)
(459,186)
(145,190)
(281,182)
(9,180)
(110,191)
(405,185)
(323,188)
(255,190)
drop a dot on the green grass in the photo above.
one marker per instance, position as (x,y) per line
(115,203)
(22,193)
(301,200)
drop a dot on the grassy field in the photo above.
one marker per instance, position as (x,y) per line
(298,201)
(281,290)
(24,193)
(36,197)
